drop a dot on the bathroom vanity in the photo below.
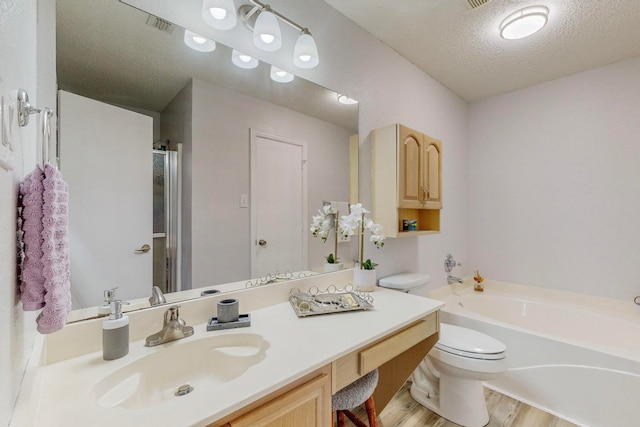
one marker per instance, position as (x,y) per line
(282,367)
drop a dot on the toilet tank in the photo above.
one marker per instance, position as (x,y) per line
(413,283)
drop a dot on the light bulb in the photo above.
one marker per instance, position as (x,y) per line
(281,76)
(267,38)
(344,99)
(198,42)
(243,60)
(220,14)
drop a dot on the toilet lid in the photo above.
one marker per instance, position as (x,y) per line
(469,343)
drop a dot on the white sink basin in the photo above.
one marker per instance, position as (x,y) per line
(199,363)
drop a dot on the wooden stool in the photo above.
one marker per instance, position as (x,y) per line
(354,395)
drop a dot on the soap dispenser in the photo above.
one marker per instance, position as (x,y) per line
(115,333)
(109,296)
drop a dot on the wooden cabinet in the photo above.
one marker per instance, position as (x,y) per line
(406,180)
(304,403)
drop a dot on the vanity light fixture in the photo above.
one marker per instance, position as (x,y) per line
(344,99)
(220,14)
(266,31)
(243,60)
(281,76)
(305,53)
(262,21)
(198,42)
(524,22)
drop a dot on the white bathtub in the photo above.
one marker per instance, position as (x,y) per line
(575,356)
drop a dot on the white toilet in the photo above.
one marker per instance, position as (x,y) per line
(449,380)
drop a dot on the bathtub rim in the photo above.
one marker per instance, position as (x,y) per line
(615,309)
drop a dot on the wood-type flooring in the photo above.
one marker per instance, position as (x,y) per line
(504,411)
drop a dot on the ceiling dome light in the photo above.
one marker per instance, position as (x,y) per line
(243,60)
(220,14)
(198,42)
(281,76)
(305,52)
(344,99)
(266,32)
(524,22)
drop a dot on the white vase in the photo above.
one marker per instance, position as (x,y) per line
(364,279)
(328,268)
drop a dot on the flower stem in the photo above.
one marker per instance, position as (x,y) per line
(335,226)
(361,241)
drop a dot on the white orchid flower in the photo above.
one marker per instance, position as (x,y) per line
(377,239)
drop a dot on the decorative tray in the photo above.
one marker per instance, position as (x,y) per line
(275,278)
(333,300)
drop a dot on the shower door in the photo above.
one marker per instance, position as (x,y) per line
(166,208)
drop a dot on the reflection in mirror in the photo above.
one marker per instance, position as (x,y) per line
(184,152)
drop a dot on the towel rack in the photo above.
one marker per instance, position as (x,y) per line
(25,109)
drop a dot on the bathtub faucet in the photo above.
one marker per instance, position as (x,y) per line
(450,264)
(453,279)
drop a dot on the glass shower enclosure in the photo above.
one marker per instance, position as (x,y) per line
(166,220)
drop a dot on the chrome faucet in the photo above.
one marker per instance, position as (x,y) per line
(174,328)
(157,297)
(453,279)
(450,264)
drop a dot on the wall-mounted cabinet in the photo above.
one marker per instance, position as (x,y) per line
(406,179)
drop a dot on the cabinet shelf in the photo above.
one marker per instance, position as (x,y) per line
(402,234)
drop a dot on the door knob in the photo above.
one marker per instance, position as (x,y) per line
(143,249)
(262,242)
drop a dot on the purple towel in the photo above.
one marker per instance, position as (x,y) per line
(31,279)
(55,252)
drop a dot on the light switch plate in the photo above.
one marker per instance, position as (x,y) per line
(6,121)
(244,200)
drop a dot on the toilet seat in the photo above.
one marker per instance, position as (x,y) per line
(469,343)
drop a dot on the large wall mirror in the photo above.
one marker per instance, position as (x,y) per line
(179,163)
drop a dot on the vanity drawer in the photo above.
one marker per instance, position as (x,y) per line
(358,363)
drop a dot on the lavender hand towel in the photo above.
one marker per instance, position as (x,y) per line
(55,252)
(32,289)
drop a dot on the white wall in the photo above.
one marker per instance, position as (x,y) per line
(220,161)
(20,59)
(554,183)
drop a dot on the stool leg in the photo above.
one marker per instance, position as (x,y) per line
(371,411)
(341,419)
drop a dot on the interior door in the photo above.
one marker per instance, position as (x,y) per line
(278,204)
(106,154)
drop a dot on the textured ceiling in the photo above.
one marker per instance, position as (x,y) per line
(462,48)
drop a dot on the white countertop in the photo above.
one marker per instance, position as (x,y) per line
(61,393)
